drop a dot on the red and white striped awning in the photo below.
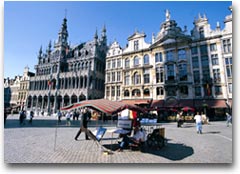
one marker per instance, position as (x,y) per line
(103,105)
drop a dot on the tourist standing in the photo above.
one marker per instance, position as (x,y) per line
(229,119)
(31,117)
(68,118)
(198,120)
(59,116)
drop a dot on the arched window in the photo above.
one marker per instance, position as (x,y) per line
(136,61)
(75,67)
(126,93)
(136,93)
(79,66)
(82,66)
(127,63)
(160,91)
(146,92)
(136,78)
(146,59)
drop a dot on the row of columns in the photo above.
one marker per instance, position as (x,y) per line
(55,103)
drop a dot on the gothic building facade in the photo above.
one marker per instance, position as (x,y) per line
(68,74)
(176,69)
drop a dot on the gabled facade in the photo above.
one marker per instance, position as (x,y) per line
(176,69)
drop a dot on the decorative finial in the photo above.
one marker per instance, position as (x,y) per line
(199,16)
(50,44)
(65,13)
(96,34)
(218,24)
(104,29)
(204,16)
(40,50)
(168,16)
(136,30)
(185,29)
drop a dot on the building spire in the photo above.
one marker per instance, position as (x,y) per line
(96,34)
(103,35)
(49,47)
(63,34)
(40,53)
(65,13)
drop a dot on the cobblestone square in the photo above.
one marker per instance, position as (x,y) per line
(45,142)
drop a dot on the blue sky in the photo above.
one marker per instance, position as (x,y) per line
(29,24)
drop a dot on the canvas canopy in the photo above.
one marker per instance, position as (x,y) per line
(103,105)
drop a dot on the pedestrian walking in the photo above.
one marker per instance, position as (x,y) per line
(179,119)
(68,118)
(83,126)
(59,116)
(198,120)
(31,117)
(22,118)
(229,119)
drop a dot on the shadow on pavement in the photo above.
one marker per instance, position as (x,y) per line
(14,123)
(212,132)
(173,151)
(41,123)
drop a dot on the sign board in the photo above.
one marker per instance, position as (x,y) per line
(125,124)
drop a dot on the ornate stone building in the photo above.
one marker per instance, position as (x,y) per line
(68,74)
(11,87)
(24,87)
(176,69)
(16,90)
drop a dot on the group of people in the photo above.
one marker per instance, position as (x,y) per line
(75,115)
(23,116)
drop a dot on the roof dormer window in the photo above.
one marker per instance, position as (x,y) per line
(136,45)
(201,32)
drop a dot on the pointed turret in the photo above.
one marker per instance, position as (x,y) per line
(104,36)
(96,35)
(49,47)
(63,35)
(40,53)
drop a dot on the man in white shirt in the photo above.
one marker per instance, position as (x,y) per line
(198,119)
(135,140)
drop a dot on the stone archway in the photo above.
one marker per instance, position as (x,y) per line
(74,99)
(66,100)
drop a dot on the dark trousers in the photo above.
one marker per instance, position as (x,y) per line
(88,134)
(82,129)
(126,141)
(30,121)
